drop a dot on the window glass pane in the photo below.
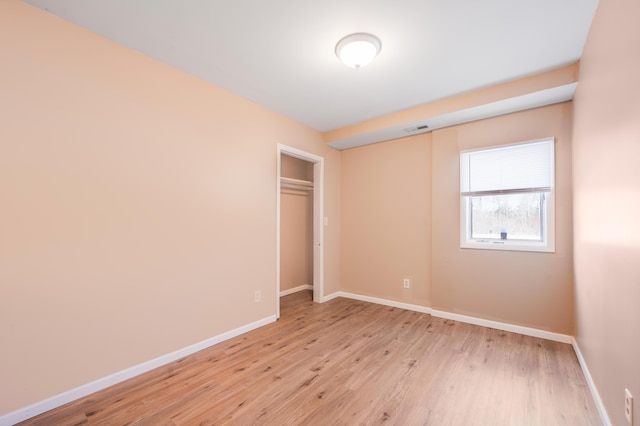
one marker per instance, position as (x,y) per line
(519,215)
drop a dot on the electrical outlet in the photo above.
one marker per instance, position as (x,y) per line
(256,296)
(406,283)
(628,406)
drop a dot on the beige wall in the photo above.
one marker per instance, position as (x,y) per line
(296,239)
(523,288)
(607,204)
(386,220)
(400,217)
(381,242)
(296,168)
(138,207)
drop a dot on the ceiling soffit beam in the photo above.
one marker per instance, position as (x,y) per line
(506,106)
(539,83)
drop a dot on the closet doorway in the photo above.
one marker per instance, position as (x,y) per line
(299,263)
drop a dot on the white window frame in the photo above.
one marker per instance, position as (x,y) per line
(547,245)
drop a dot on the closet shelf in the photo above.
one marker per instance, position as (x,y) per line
(290,183)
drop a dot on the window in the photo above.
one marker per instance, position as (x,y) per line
(507,197)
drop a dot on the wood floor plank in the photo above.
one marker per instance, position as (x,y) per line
(347,362)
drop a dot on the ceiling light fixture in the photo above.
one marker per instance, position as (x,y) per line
(359,49)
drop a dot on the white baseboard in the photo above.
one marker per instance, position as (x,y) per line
(97,385)
(527,331)
(332,296)
(89,388)
(376,300)
(296,289)
(592,385)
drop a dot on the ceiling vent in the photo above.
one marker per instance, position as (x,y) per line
(416,129)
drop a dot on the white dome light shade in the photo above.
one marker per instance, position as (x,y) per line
(357,50)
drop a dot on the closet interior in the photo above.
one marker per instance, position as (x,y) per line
(296,225)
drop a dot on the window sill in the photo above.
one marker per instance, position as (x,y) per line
(508,246)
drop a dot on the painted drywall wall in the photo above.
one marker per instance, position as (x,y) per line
(386,220)
(400,217)
(296,226)
(296,168)
(296,239)
(138,207)
(606,148)
(522,288)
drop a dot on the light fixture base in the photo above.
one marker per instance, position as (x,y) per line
(358,50)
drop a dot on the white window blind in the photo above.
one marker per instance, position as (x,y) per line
(525,167)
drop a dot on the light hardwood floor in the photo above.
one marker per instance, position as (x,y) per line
(346,362)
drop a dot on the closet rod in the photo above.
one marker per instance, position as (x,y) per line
(289,183)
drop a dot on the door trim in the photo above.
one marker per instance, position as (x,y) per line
(318,221)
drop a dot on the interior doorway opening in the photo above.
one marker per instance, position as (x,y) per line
(299,223)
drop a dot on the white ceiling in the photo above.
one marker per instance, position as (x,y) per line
(280,53)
